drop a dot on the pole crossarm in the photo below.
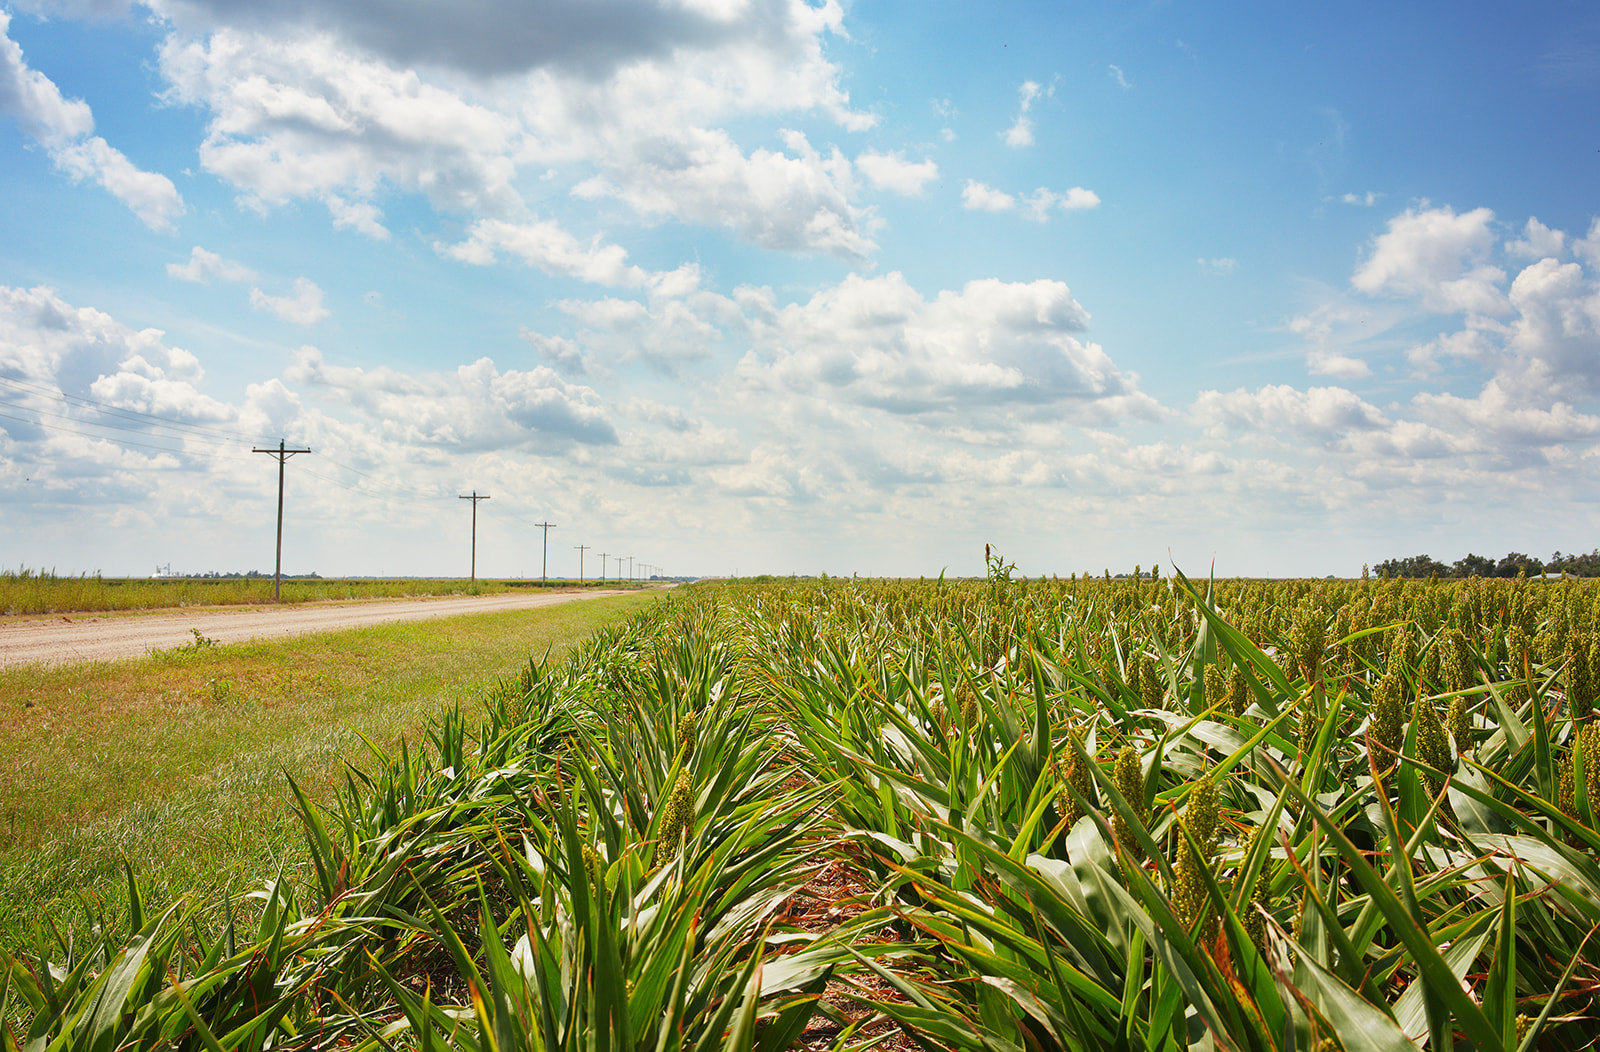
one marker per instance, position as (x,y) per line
(475,498)
(282,451)
(282,455)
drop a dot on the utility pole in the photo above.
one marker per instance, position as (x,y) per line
(603,565)
(544,571)
(630,568)
(475,498)
(581,549)
(282,453)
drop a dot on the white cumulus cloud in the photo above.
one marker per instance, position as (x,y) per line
(546,245)
(33,100)
(794,200)
(306,118)
(1021,131)
(63,126)
(343,102)
(892,172)
(1438,257)
(477,406)
(985,198)
(44,338)
(1322,362)
(70,358)
(1037,206)
(1538,242)
(1538,333)
(303,306)
(204,266)
(877,342)
(1322,414)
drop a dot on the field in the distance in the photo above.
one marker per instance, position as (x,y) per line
(25,592)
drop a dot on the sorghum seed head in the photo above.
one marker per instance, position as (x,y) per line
(1459,723)
(1129,779)
(688,732)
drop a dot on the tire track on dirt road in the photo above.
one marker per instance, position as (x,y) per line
(64,639)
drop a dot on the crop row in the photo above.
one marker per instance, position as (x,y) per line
(1074,814)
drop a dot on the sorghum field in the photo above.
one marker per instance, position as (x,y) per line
(1004,814)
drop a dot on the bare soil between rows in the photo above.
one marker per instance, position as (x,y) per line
(70,638)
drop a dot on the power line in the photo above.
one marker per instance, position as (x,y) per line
(145,423)
(398,487)
(114,441)
(40,390)
(208,450)
(369,492)
(85,423)
(213,443)
(150,422)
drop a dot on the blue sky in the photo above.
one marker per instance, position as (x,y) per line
(774,286)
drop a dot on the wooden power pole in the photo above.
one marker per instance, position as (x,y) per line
(581,549)
(603,564)
(544,569)
(475,498)
(282,453)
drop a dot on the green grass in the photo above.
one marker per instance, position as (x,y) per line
(177,762)
(26,592)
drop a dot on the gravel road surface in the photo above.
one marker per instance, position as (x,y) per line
(108,637)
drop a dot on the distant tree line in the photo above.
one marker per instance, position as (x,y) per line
(1510,565)
(249,575)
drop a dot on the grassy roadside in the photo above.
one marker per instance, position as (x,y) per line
(177,761)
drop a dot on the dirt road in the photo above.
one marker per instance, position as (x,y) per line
(108,637)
